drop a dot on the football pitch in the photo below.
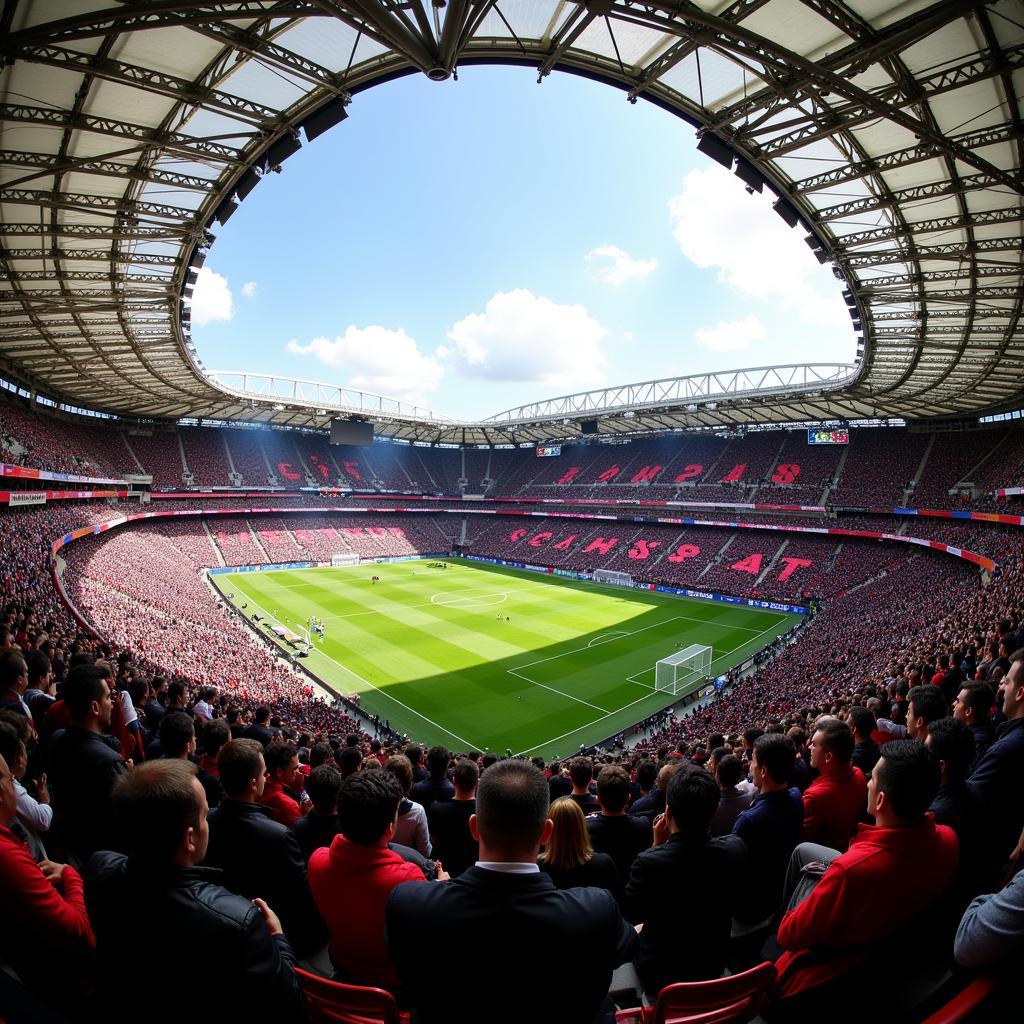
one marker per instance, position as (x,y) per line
(490,658)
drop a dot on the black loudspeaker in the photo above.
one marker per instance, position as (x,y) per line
(787,211)
(286,146)
(326,117)
(712,146)
(246,183)
(225,210)
(749,174)
(588,426)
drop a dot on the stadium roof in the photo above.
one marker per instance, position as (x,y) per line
(891,134)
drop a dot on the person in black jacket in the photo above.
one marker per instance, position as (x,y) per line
(320,826)
(453,844)
(622,836)
(686,877)
(162,808)
(866,751)
(436,786)
(83,765)
(515,910)
(653,804)
(258,856)
(260,728)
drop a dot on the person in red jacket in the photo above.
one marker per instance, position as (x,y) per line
(43,909)
(834,800)
(352,879)
(282,771)
(862,896)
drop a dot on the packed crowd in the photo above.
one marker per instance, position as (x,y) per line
(879,467)
(885,742)
(788,834)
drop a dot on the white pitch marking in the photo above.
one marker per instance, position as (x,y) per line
(625,707)
(356,675)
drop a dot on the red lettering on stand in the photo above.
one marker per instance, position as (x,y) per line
(319,467)
(785,473)
(601,544)
(646,475)
(287,470)
(683,552)
(792,564)
(517,534)
(609,474)
(690,472)
(564,545)
(569,475)
(751,564)
(642,549)
(352,470)
(538,540)
(735,474)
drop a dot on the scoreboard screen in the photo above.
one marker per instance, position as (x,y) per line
(548,451)
(828,436)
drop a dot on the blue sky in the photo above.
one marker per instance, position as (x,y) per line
(481,244)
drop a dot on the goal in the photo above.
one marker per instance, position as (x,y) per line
(683,672)
(348,558)
(621,579)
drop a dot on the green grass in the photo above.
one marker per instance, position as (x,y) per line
(477,656)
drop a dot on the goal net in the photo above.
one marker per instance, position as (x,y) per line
(348,558)
(622,579)
(684,671)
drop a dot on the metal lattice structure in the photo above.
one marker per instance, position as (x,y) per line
(891,134)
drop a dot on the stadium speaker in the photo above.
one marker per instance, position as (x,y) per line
(326,117)
(588,426)
(749,174)
(712,146)
(225,210)
(288,145)
(787,211)
(247,183)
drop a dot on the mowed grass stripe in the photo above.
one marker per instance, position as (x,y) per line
(447,662)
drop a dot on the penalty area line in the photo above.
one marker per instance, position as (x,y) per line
(646,696)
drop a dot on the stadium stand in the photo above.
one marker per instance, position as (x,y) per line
(887,615)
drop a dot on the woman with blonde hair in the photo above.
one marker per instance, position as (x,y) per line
(569,859)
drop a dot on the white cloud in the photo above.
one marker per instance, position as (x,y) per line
(377,359)
(717,225)
(527,338)
(249,289)
(615,266)
(732,335)
(211,298)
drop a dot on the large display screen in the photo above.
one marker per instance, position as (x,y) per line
(828,436)
(547,451)
(354,432)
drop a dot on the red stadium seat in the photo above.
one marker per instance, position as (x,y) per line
(964,1006)
(732,1000)
(331,1002)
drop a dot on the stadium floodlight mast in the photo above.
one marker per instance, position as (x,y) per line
(683,672)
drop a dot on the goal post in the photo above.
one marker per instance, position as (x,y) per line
(346,558)
(684,671)
(621,579)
